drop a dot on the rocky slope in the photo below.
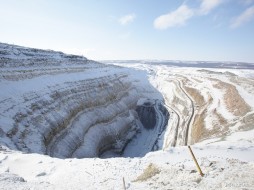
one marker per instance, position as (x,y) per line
(66,105)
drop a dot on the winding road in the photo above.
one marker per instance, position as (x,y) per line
(177,125)
(160,124)
(192,113)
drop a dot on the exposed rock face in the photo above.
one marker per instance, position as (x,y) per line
(147,115)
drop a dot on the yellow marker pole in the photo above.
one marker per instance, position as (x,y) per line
(124,187)
(195,160)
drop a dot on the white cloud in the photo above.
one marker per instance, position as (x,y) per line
(245,17)
(127,19)
(208,5)
(184,13)
(175,18)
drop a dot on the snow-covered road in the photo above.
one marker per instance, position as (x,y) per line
(191,116)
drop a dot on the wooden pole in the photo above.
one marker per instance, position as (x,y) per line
(195,160)
(124,187)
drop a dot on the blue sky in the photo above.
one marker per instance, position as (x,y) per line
(208,30)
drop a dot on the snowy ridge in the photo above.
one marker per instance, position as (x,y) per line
(17,56)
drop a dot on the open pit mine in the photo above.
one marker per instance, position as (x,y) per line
(67,106)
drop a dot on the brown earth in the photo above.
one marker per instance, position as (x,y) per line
(234,102)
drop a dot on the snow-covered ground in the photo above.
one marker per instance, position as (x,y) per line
(224,166)
(69,107)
